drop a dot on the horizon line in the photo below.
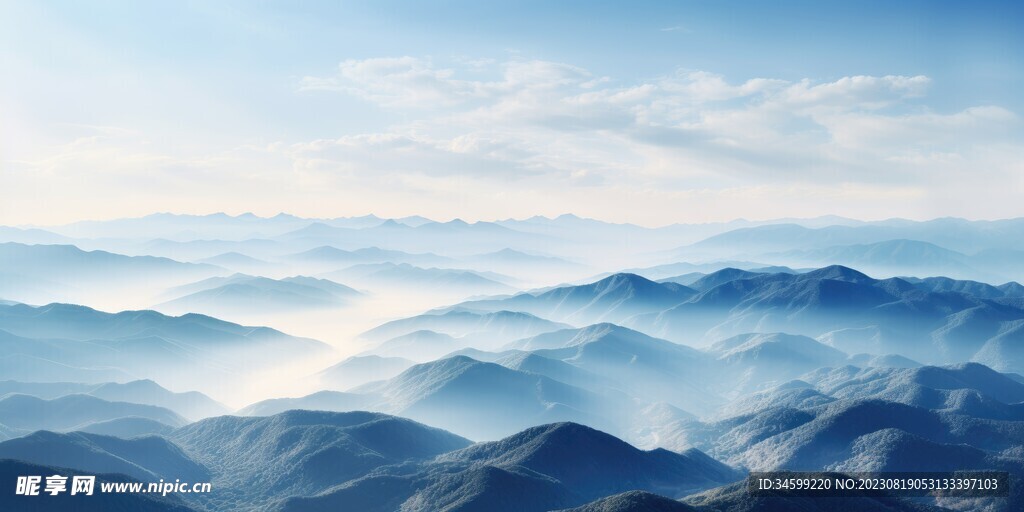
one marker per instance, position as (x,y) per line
(250,214)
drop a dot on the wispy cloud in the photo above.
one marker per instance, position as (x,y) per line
(559,117)
(516,137)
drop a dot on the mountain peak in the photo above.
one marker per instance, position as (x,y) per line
(442,367)
(593,462)
(722,276)
(625,278)
(839,273)
(550,439)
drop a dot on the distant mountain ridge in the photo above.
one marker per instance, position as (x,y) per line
(693,354)
(192,405)
(44,273)
(903,317)
(329,258)
(71,412)
(75,342)
(957,247)
(403,276)
(260,294)
(500,326)
(611,299)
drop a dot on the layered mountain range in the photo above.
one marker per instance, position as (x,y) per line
(538,364)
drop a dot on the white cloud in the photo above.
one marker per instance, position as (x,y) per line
(414,82)
(863,92)
(690,130)
(483,138)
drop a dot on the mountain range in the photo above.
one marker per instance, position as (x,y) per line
(73,412)
(447,282)
(257,459)
(44,273)
(542,468)
(573,364)
(853,312)
(191,405)
(74,343)
(243,293)
(357,370)
(329,258)
(482,400)
(491,328)
(612,299)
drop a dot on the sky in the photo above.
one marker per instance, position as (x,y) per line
(643,112)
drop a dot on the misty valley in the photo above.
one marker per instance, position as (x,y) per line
(538,364)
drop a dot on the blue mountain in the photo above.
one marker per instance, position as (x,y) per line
(332,256)
(761,360)
(499,326)
(147,458)
(406,277)
(648,368)
(593,463)
(554,369)
(71,272)
(955,234)
(791,395)
(829,438)
(255,294)
(303,452)
(971,389)
(128,427)
(357,370)
(712,280)
(320,401)
(482,400)
(66,321)
(543,468)
(192,405)
(422,345)
(72,412)
(78,343)
(611,299)
(889,316)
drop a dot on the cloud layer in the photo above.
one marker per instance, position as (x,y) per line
(486,139)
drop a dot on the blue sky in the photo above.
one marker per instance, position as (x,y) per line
(649,112)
